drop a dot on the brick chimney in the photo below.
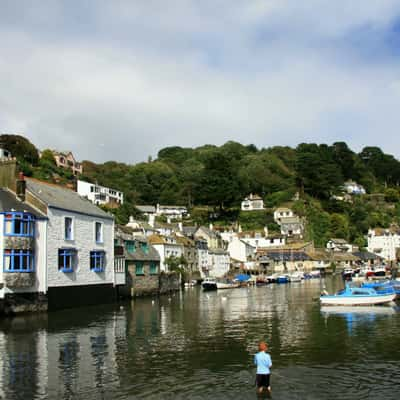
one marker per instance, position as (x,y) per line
(21,187)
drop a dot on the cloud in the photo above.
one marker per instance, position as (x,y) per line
(120,80)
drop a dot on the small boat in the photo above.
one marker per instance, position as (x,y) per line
(192,283)
(214,284)
(209,284)
(356,296)
(282,279)
(296,276)
(271,278)
(347,274)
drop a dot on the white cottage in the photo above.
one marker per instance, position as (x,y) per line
(79,246)
(384,242)
(252,202)
(22,254)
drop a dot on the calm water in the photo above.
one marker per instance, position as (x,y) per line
(197,345)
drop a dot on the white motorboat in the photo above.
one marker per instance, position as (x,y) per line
(355,296)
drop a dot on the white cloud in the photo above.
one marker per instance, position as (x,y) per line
(130,78)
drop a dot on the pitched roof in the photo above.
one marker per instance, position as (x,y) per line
(366,255)
(55,196)
(140,255)
(144,208)
(9,202)
(290,220)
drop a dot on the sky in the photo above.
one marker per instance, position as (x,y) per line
(119,80)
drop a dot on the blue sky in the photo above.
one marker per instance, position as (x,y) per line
(119,80)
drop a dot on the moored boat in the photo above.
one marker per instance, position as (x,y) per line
(352,295)
(296,276)
(282,279)
(209,284)
(214,284)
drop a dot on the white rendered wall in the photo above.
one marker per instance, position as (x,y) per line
(84,242)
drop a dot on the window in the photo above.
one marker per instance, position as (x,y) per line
(18,261)
(19,224)
(139,269)
(130,246)
(153,269)
(98,232)
(97,261)
(66,260)
(68,228)
(145,247)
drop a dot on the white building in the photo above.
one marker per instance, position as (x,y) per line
(281,213)
(291,226)
(239,250)
(166,246)
(171,212)
(384,242)
(4,153)
(79,251)
(339,245)
(252,202)
(202,257)
(23,231)
(352,187)
(100,195)
(261,239)
(219,262)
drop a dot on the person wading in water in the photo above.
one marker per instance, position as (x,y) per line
(263,362)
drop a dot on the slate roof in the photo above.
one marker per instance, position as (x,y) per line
(287,256)
(189,230)
(140,255)
(146,209)
(366,255)
(9,202)
(64,199)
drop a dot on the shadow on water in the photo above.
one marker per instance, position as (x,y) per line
(200,346)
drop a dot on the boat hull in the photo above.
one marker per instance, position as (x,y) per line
(222,285)
(209,286)
(356,300)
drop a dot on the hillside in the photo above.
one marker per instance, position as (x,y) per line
(212,180)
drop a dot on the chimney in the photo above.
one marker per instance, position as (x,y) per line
(180,225)
(21,186)
(152,219)
(211,227)
(8,173)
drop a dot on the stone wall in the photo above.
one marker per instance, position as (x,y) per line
(169,282)
(140,285)
(18,303)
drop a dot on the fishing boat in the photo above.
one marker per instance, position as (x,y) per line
(356,296)
(214,284)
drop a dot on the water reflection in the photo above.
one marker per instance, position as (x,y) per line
(200,345)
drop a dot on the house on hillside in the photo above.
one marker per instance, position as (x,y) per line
(385,242)
(241,251)
(292,226)
(339,245)
(260,239)
(252,202)
(168,248)
(213,238)
(100,195)
(353,188)
(67,160)
(282,213)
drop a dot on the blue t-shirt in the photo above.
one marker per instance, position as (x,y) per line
(263,362)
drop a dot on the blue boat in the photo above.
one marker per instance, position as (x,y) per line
(353,295)
(282,279)
(383,287)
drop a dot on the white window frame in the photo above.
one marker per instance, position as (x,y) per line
(101,232)
(72,228)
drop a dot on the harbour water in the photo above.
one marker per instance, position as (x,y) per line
(196,345)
